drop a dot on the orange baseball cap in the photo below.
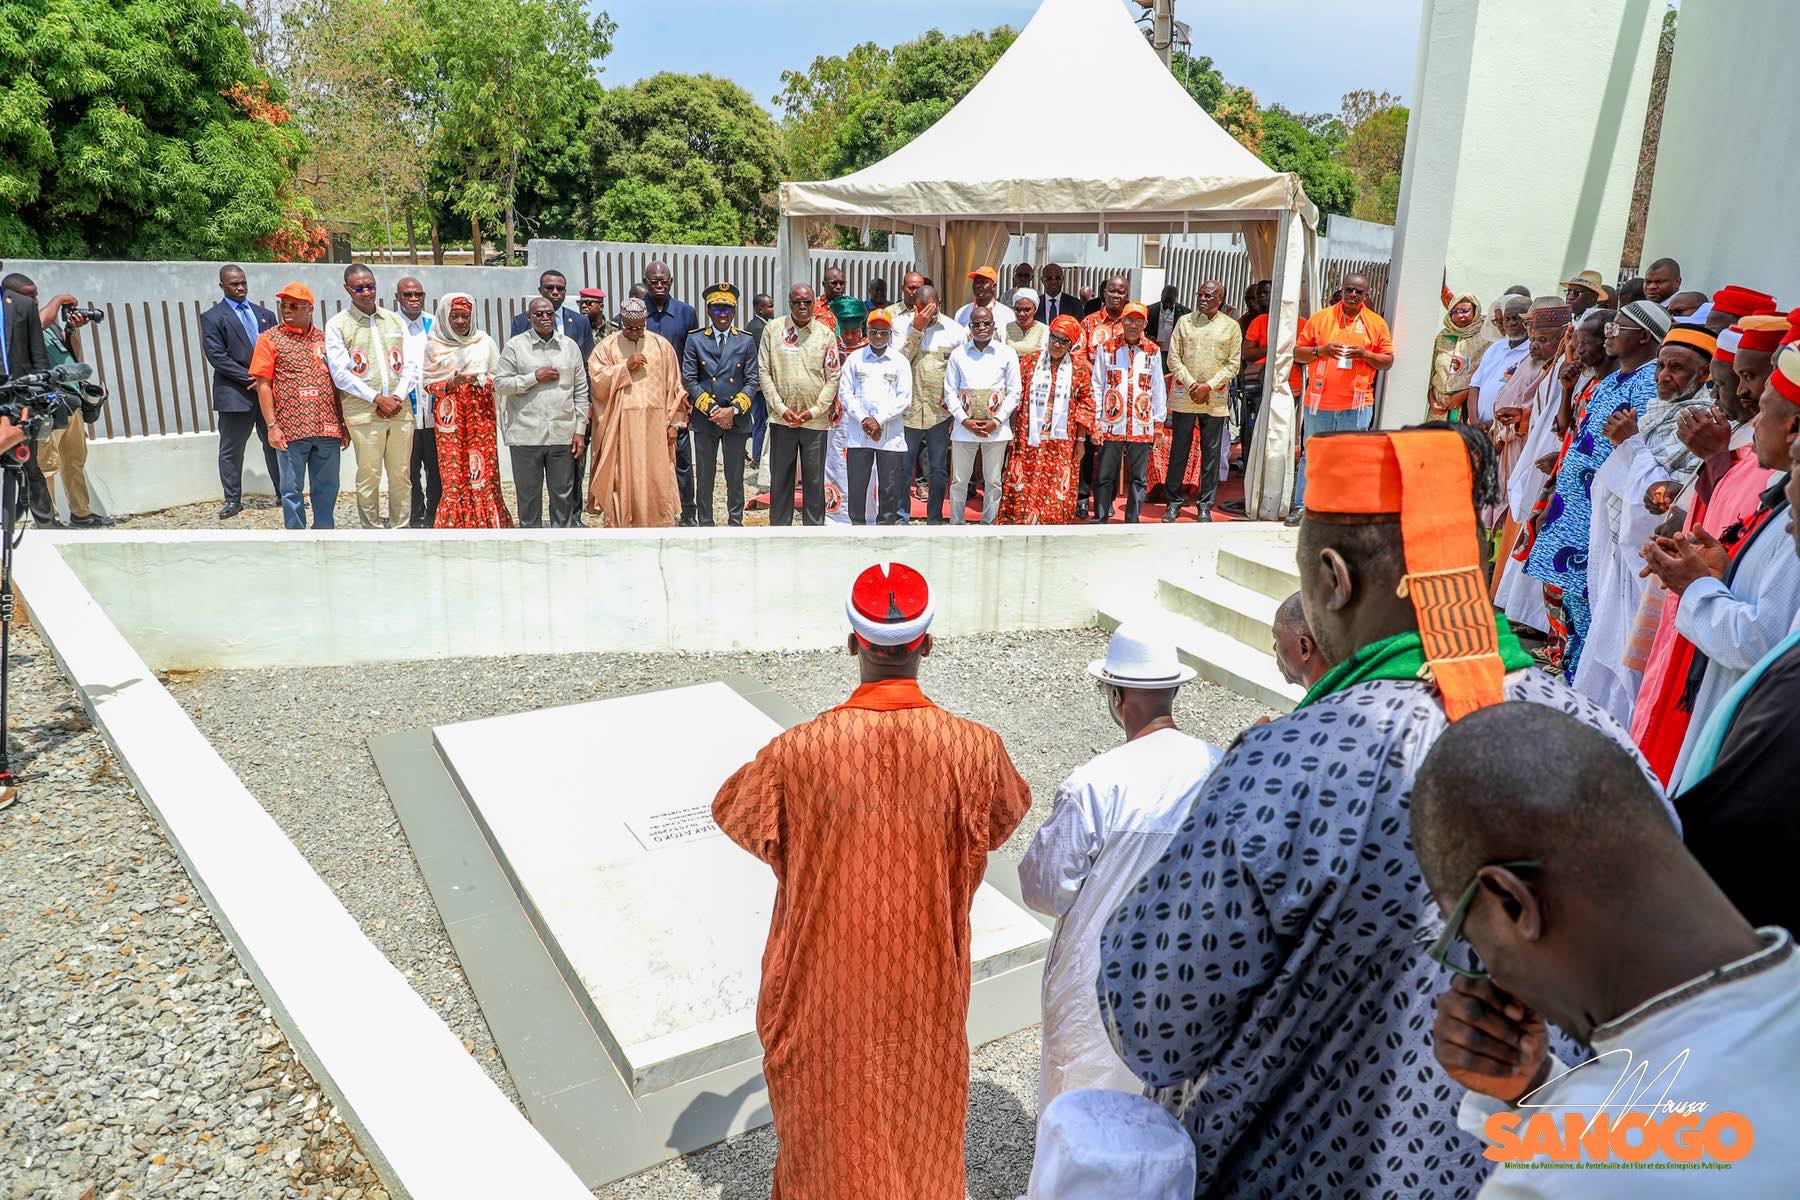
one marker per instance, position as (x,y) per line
(987,273)
(880,316)
(298,292)
(1135,309)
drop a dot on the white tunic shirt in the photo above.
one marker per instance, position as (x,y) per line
(1740,1034)
(971,369)
(418,330)
(1113,819)
(875,385)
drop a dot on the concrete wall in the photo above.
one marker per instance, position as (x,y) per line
(304,599)
(1528,115)
(149,474)
(1732,87)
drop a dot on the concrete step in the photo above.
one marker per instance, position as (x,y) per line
(1218,657)
(1265,568)
(1218,603)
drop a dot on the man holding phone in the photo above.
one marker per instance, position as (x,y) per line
(542,383)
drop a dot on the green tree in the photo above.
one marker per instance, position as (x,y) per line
(1374,149)
(502,70)
(1306,147)
(1232,106)
(684,158)
(815,103)
(139,129)
(357,69)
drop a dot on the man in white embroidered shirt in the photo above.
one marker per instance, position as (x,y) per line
(875,389)
(1570,900)
(981,389)
(1113,820)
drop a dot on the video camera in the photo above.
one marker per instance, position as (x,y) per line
(47,395)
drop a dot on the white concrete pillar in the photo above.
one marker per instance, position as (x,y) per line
(1521,154)
(1434,139)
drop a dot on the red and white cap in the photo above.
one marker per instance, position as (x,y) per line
(889,605)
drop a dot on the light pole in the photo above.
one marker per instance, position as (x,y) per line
(1162,27)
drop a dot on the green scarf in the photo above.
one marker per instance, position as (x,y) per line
(1402,657)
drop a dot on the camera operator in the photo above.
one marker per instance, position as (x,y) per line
(63,451)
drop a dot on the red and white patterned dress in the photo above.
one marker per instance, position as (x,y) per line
(1041,481)
(468,456)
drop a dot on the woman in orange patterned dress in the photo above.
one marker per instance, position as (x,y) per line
(1056,413)
(459,376)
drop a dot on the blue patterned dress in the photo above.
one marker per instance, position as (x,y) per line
(1559,556)
(1268,977)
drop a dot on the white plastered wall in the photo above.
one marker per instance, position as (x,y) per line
(1732,91)
(1530,114)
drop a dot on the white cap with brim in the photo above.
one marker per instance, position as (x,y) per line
(1137,658)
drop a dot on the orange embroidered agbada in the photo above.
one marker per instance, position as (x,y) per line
(877,818)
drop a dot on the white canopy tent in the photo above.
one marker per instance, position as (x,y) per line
(996,165)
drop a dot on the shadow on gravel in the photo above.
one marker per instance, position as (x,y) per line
(999,1144)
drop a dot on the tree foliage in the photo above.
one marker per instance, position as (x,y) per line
(501,71)
(684,158)
(1374,148)
(1309,150)
(1232,106)
(847,112)
(139,129)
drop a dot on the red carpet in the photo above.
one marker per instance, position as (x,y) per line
(1231,490)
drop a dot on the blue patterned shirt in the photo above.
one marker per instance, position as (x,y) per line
(1268,977)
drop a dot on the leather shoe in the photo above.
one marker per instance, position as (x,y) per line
(1203,515)
(1170,513)
(1295,516)
(687,521)
(228,511)
(1081,510)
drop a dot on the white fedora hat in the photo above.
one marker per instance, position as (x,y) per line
(1137,658)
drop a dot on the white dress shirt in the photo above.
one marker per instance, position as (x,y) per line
(412,376)
(875,385)
(1113,819)
(1729,1040)
(974,369)
(1491,374)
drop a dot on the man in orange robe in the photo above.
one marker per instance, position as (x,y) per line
(877,818)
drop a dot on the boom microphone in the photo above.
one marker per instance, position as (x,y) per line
(67,373)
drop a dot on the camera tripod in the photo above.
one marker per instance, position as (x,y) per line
(12,483)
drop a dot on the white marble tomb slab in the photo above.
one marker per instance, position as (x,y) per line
(600,814)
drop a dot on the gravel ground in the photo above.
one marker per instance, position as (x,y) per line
(320,784)
(263,512)
(135,1057)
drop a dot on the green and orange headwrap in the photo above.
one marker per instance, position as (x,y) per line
(1422,477)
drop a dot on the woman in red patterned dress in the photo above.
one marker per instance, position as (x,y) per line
(1056,411)
(459,374)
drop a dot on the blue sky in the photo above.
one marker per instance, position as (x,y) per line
(1303,54)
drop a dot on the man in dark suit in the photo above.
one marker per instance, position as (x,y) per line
(762,311)
(719,370)
(1057,303)
(22,351)
(554,287)
(1163,315)
(228,333)
(673,320)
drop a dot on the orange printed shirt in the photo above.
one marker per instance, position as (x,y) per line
(1330,387)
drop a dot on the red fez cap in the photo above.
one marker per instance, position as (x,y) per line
(890,605)
(1762,333)
(1743,301)
(1793,332)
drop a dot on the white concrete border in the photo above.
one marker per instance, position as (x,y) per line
(262,599)
(424,1112)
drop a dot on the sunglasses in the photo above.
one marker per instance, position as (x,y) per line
(420,295)
(362,289)
(1450,944)
(799,303)
(1356,291)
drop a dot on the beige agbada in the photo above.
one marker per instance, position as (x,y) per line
(633,484)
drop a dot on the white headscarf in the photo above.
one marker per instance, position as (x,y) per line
(448,353)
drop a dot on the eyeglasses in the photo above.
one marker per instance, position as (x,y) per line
(362,289)
(405,295)
(1450,942)
(1350,291)
(1614,329)
(799,303)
